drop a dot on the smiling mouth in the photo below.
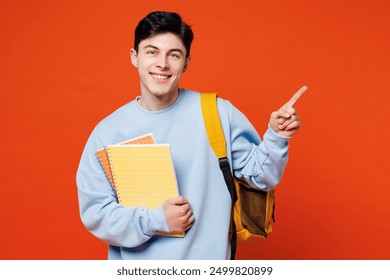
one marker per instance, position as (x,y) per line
(160,77)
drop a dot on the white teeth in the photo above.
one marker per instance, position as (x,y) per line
(161,77)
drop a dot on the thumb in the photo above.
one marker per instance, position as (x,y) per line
(177,200)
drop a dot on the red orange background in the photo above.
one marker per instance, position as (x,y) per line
(65,65)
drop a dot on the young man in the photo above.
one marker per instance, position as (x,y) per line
(173,115)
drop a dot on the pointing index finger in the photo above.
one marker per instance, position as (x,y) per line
(296,96)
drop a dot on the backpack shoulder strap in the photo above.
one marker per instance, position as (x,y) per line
(217,142)
(213,124)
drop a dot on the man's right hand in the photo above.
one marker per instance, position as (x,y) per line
(178,214)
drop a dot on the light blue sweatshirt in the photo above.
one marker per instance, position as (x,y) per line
(130,232)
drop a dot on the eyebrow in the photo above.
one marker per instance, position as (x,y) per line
(171,50)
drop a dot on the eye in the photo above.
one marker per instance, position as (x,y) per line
(151,52)
(175,55)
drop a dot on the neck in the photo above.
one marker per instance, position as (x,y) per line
(158,103)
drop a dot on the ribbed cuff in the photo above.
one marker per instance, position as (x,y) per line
(158,221)
(274,137)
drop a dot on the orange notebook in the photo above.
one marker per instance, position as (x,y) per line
(103,157)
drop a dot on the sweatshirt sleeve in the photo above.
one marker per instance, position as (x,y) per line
(100,211)
(260,162)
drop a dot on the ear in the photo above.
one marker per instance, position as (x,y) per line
(187,64)
(134,57)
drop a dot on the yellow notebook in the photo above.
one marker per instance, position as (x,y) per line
(103,158)
(143,175)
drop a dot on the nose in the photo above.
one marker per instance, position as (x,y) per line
(162,62)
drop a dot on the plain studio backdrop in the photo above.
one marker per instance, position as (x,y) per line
(65,65)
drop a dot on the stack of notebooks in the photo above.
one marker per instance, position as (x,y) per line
(141,172)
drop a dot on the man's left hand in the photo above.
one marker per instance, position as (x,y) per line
(285,121)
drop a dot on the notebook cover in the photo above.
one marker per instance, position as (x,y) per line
(143,175)
(103,159)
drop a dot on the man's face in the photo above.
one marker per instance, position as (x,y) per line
(161,61)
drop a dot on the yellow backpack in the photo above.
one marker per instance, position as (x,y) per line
(252,209)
